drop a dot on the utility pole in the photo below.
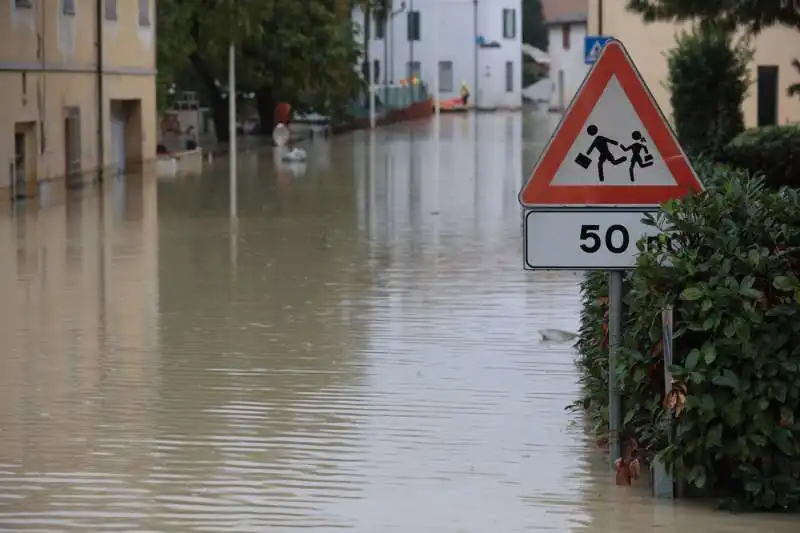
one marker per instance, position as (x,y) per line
(436,72)
(477,47)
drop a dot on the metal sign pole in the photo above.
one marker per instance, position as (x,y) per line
(614,344)
(663,484)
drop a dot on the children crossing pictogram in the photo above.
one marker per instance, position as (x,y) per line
(640,155)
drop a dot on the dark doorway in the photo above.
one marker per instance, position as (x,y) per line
(767,95)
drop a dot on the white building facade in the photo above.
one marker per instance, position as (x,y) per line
(474,41)
(568,67)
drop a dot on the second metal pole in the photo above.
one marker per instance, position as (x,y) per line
(232,126)
(614,344)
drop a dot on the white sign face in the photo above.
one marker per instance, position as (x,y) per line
(582,239)
(614,148)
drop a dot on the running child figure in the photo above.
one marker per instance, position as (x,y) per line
(640,155)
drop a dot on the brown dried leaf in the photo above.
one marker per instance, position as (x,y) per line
(635,468)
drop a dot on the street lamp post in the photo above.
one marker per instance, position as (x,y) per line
(232,126)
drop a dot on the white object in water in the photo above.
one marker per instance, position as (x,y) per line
(296,154)
(280,135)
(557,335)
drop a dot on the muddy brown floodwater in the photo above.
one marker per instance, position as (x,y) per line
(360,352)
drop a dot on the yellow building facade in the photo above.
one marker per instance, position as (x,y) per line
(771,70)
(62,117)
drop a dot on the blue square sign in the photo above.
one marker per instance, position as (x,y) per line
(592,45)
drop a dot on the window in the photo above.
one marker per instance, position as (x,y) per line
(376,65)
(413,68)
(144,12)
(509,76)
(111,9)
(68,7)
(23,3)
(380,27)
(445,76)
(565,36)
(413,26)
(509,24)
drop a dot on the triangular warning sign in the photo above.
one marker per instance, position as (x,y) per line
(613,146)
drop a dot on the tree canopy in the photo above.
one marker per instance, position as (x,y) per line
(303,53)
(534,31)
(754,15)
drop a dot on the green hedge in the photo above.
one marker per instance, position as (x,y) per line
(708,79)
(772,151)
(734,284)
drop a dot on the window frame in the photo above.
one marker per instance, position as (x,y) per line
(566,36)
(110,10)
(450,87)
(414,22)
(380,27)
(145,20)
(509,23)
(509,76)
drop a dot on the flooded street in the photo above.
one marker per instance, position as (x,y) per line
(359,351)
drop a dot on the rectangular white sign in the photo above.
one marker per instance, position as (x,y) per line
(583,239)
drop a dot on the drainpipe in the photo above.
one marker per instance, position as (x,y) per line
(600,18)
(385,49)
(410,41)
(477,47)
(42,96)
(100,96)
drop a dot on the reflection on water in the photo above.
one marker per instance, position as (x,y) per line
(358,351)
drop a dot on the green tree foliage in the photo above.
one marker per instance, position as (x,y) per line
(751,14)
(301,52)
(730,275)
(534,30)
(307,56)
(708,79)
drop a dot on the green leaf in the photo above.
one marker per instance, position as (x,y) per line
(749,292)
(726,379)
(709,353)
(692,294)
(628,418)
(707,403)
(692,359)
(784,283)
(714,436)
(783,440)
(697,476)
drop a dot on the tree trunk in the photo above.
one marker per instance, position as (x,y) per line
(220,114)
(219,107)
(266,103)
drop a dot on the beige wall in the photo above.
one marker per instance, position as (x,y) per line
(647,44)
(39,82)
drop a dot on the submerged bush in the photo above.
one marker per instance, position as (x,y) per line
(772,151)
(733,280)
